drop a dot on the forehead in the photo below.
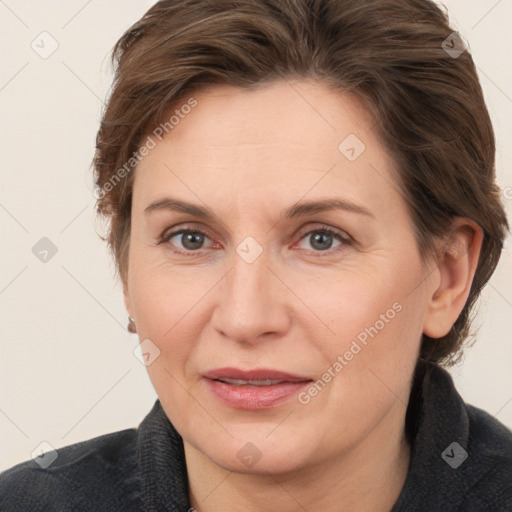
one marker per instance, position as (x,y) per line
(288,139)
(289,112)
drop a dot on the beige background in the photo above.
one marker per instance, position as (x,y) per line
(67,368)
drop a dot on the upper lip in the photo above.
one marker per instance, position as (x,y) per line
(258,374)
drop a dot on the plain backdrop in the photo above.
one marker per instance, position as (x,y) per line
(67,366)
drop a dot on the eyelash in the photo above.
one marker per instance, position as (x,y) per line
(346,240)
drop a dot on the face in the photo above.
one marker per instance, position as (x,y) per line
(283,331)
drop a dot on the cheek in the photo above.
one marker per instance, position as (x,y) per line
(386,353)
(359,304)
(163,295)
(375,323)
(172,309)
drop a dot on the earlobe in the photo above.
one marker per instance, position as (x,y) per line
(457,263)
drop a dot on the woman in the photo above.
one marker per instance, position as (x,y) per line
(303,212)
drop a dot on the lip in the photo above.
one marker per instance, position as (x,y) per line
(253,397)
(256,374)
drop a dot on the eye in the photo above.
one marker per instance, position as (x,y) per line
(322,239)
(191,240)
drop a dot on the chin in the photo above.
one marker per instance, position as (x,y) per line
(259,455)
(274,464)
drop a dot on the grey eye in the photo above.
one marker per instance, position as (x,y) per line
(321,240)
(189,240)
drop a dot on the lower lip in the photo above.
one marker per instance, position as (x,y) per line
(254,397)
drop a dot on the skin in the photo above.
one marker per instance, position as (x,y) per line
(248,155)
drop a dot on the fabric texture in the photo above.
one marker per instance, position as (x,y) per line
(144,469)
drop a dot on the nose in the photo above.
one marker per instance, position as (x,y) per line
(252,302)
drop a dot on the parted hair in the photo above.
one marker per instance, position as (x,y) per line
(427,103)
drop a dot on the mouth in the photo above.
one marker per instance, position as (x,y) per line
(241,382)
(253,389)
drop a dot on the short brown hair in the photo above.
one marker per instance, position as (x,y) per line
(428,104)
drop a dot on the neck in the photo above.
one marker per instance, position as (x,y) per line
(367,478)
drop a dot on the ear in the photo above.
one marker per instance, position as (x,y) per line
(457,263)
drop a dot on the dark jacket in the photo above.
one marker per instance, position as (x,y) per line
(461,460)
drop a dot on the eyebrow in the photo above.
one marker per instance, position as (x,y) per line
(300,209)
